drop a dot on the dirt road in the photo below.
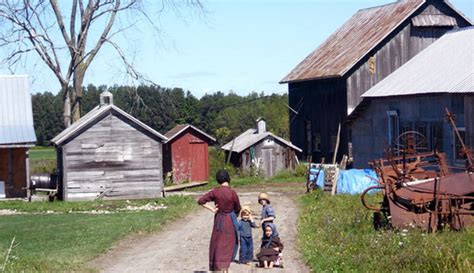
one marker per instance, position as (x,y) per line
(183,245)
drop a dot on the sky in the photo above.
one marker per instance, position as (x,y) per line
(241,46)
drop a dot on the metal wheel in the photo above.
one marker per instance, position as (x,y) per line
(411,142)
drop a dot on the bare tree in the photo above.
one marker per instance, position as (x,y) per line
(41,26)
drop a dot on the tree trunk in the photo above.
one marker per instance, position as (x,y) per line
(78,79)
(67,106)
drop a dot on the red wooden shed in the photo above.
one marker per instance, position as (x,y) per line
(185,153)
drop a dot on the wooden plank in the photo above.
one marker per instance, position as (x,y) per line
(184,186)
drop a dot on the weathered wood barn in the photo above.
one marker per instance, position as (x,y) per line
(17,135)
(185,154)
(326,86)
(109,154)
(414,98)
(261,150)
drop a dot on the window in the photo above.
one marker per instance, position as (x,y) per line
(432,131)
(393,127)
(317,142)
(458,156)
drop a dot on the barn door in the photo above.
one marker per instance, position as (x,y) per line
(199,165)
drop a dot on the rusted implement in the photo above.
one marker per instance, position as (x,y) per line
(420,191)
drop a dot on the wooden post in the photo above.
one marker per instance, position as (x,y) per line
(336,149)
(10,184)
(230,151)
(28,182)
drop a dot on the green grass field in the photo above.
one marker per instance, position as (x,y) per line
(335,233)
(42,153)
(66,241)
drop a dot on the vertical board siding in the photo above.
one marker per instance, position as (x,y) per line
(324,106)
(16,181)
(114,159)
(370,130)
(326,102)
(469,120)
(275,158)
(189,158)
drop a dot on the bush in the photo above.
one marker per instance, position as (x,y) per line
(38,166)
(218,161)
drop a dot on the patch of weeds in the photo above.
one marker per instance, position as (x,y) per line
(335,233)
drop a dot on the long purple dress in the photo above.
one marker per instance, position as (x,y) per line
(223,238)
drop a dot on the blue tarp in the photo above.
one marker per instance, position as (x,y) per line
(353,181)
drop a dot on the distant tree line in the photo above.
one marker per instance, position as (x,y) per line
(222,115)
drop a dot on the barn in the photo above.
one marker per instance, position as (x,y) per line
(109,154)
(17,135)
(185,153)
(414,98)
(259,150)
(327,85)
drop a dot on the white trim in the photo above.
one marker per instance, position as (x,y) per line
(186,127)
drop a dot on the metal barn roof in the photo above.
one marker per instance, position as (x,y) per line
(97,113)
(16,115)
(446,66)
(358,36)
(178,129)
(251,137)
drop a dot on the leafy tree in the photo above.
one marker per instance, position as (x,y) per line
(33,26)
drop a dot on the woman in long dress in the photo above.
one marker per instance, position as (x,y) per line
(223,246)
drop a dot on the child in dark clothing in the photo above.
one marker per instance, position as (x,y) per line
(246,224)
(270,248)
(268,214)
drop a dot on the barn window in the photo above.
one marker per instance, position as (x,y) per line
(393,127)
(431,131)
(269,142)
(317,142)
(458,156)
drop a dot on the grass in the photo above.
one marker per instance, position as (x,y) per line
(39,152)
(239,182)
(42,160)
(336,234)
(67,241)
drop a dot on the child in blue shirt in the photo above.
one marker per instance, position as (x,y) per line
(246,224)
(268,214)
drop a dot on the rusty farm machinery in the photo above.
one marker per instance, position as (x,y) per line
(420,190)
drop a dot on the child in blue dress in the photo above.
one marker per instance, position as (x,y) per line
(268,214)
(246,224)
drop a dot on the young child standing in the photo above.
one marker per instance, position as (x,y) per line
(268,214)
(246,224)
(270,248)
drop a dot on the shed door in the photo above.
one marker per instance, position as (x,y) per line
(267,161)
(199,165)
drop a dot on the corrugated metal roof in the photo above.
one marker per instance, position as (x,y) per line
(178,129)
(251,137)
(16,114)
(97,113)
(446,66)
(350,43)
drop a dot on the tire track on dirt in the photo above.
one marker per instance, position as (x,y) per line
(183,246)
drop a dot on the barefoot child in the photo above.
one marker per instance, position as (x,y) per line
(246,224)
(270,248)
(268,214)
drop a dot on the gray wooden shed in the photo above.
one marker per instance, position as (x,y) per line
(109,154)
(327,85)
(414,98)
(261,150)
